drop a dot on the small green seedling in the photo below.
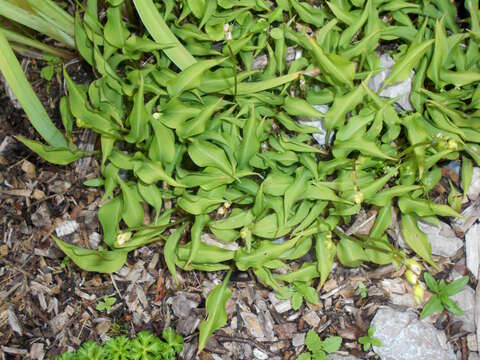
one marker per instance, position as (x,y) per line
(441,298)
(319,349)
(362,290)
(370,340)
(106,304)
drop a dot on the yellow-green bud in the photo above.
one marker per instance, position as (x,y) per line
(418,293)
(414,265)
(411,277)
(123,237)
(358,197)
(221,211)
(452,144)
(243,233)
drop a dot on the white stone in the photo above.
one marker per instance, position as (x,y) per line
(66,228)
(298,339)
(259,354)
(442,237)
(401,89)
(405,337)
(472,342)
(472,249)
(321,136)
(466,301)
(474,190)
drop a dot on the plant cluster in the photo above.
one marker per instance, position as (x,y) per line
(441,295)
(219,144)
(145,346)
(318,348)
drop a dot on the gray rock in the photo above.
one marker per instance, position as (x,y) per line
(321,136)
(473,356)
(405,337)
(401,89)
(442,237)
(259,354)
(474,190)
(472,344)
(298,339)
(472,249)
(466,300)
(181,305)
(186,326)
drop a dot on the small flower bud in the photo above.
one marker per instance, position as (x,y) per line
(358,197)
(227,205)
(414,266)
(221,211)
(411,277)
(243,233)
(418,293)
(452,144)
(123,237)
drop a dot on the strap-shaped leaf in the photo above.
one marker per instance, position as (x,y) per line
(216,313)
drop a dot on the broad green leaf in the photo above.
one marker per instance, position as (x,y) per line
(205,154)
(54,155)
(416,239)
(101,261)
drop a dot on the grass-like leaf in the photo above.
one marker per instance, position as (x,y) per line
(161,33)
(16,79)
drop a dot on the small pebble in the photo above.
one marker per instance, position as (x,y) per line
(298,339)
(259,354)
(472,342)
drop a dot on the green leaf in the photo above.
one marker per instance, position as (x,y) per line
(54,155)
(403,67)
(216,314)
(138,118)
(160,31)
(205,154)
(132,208)
(109,216)
(455,286)
(190,77)
(313,341)
(169,251)
(416,239)
(101,261)
(434,305)
(350,253)
(332,344)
